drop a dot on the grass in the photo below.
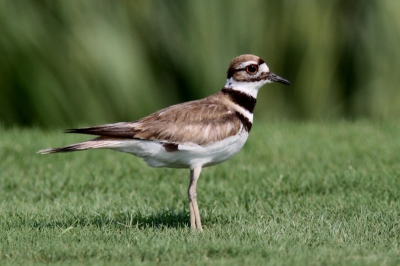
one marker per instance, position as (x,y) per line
(297,194)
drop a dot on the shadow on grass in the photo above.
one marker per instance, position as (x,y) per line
(169,218)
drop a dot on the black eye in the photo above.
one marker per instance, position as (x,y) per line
(252,69)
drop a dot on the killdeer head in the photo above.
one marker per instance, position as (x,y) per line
(248,73)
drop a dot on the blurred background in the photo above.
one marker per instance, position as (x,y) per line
(70,63)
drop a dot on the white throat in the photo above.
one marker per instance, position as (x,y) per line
(250,88)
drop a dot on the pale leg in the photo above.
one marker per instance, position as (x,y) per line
(195,222)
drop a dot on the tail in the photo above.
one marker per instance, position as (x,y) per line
(96,143)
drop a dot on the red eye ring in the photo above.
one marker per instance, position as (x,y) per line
(252,69)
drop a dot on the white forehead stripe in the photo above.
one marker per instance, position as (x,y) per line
(247,63)
(263,68)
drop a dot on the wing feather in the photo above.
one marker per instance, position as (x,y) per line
(201,122)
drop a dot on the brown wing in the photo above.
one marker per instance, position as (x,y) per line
(202,122)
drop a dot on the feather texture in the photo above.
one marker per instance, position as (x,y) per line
(201,122)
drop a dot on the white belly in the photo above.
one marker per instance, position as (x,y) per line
(187,156)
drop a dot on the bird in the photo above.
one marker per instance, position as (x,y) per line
(194,134)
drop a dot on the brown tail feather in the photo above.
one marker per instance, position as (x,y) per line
(96,143)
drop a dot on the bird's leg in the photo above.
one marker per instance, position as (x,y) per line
(195,222)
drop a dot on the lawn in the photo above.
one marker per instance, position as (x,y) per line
(299,193)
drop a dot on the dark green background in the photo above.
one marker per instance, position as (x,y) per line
(69,63)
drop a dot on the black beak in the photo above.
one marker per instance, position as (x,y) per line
(275,78)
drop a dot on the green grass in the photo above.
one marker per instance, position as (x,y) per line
(297,194)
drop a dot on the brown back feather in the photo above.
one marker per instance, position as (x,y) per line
(202,122)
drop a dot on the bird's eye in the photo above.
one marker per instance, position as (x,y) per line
(252,69)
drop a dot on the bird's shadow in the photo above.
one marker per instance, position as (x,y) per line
(167,218)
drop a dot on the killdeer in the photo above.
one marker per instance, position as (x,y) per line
(193,134)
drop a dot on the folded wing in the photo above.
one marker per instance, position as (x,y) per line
(199,122)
